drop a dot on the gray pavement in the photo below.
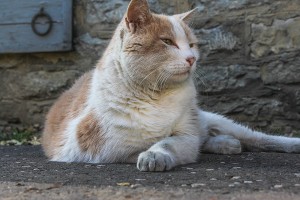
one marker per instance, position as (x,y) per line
(26,174)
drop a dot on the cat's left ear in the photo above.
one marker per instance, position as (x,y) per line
(188,17)
(138,14)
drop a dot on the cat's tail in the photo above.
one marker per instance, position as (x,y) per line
(250,140)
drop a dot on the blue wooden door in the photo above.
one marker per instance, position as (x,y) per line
(35,26)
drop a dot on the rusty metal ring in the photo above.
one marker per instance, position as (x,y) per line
(41,14)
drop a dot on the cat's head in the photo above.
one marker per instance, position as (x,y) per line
(157,50)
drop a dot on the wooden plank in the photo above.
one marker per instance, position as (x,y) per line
(68,23)
(16,11)
(16,35)
(21,39)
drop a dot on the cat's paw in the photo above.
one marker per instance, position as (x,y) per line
(223,144)
(154,161)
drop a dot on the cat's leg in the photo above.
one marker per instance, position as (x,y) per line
(169,152)
(250,140)
(222,144)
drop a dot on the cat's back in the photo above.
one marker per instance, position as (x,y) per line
(67,107)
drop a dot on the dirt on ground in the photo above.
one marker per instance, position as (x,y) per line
(25,173)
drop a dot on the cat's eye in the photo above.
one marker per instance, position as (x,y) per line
(192,45)
(168,42)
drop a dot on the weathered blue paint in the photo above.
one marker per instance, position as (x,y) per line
(16,35)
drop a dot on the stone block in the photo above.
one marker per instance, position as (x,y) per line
(297,95)
(281,72)
(11,111)
(10,61)
(274,36)
(256,112)
(215,79)
(92,47)
(216,43)
(38,84)
(109,12)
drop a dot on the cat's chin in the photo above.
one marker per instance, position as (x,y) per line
(180,76)
(185,73)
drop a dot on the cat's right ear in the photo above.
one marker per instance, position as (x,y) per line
(138,14)
(189,16)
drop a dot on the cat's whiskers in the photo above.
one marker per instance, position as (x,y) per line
(165,78)
(199,77)
(177,67)
(159,79)
(168,75)
(148,76)
(156,83)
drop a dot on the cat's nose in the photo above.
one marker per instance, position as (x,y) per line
(191,60)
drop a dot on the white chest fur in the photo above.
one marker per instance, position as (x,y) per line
(134,121)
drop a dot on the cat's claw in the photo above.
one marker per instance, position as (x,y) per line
(154,161)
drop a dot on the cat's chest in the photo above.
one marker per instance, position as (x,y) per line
(134,119)
(149,120)
(157,117)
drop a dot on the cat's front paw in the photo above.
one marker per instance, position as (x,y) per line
(154,161)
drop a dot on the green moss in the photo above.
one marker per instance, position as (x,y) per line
(20,136)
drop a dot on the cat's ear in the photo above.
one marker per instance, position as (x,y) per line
(189,16)
(138,14)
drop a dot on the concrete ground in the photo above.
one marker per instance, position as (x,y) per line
(26,174)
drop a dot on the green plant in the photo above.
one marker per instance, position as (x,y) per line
(17,135)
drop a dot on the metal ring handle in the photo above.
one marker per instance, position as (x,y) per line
(41,14)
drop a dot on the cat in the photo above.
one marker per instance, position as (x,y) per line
(139,103)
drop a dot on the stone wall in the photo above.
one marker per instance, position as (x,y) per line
(249,67)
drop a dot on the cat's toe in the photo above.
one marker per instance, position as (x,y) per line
(154,161)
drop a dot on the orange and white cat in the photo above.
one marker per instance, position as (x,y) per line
(139,104)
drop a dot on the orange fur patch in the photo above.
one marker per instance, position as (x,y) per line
(65,108)
(89,135)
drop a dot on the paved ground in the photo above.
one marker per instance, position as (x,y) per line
(26,174)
